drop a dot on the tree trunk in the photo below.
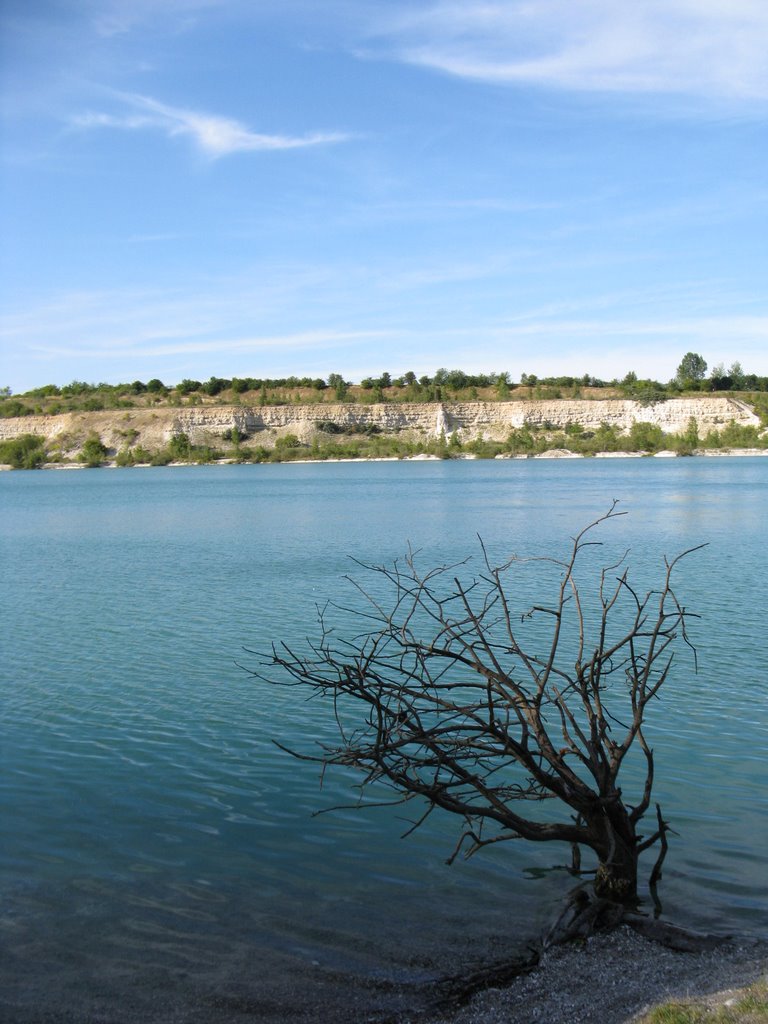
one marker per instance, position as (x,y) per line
(616,877)
(616,848)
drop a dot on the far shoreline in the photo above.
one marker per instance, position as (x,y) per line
(469,457)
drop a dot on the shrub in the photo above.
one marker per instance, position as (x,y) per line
(93,452)
(646,437)
(287,441)
(179,447)
(13,407)
(25,452)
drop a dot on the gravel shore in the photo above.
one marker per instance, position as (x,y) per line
(613,979)
(608,979)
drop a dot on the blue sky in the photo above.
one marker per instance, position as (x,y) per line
(257,188)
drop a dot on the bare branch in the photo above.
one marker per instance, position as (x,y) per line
(441,698)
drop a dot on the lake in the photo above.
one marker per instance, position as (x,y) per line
(159,857)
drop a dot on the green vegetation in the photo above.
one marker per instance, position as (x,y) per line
(691,370)
(25,452)
(735,435)
(759,403)
(750,1006)
(366,441)
(443,386)
(333,440)
(93,452)
(181,449)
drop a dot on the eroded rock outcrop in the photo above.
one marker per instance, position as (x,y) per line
(153,427)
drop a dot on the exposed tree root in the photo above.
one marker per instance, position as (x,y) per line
(582,917)
(681,939)
(457,990)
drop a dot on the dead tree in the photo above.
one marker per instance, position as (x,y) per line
(445,698)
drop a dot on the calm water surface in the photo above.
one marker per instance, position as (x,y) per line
(158,854)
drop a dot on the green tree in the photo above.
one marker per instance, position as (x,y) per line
(339,386)
(692,369)
(736,374)
(719,379)
(215,385)
(688,441)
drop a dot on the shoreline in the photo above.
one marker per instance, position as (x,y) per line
(469,457)
(610,978)
(616,978)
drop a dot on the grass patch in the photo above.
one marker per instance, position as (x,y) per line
(749,1006)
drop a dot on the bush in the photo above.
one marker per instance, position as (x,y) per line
(179,447)
(287,441)
(92,405)
(25,452)
(204,453)
(93,452)
(646,437)
(520,441)
(736,435)
(13,407)
(235,436)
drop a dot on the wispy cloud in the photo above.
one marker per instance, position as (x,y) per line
(216,317)
(116,17)
(309,321)
(704,48)
(216,136)
(256,343)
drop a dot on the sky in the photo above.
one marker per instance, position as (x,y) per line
(264,188)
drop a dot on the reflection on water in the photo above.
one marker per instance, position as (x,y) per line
(159,854)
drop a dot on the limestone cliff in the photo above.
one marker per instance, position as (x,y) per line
(152,428)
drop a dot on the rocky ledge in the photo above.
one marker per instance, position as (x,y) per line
(152,428)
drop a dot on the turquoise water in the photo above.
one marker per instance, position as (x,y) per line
(160,855)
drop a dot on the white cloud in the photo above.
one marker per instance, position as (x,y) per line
(704,48)
(215,136)
(119,348)
(118,17)
(282,321)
